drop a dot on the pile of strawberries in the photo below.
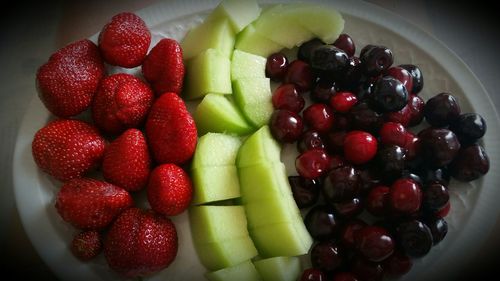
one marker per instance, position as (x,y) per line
(140,136)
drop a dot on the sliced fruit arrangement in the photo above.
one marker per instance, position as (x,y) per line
(358,148)
(280,26)
(261,183)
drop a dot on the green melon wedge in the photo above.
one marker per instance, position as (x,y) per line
(271,211)
(212,184)
(240,13)
(323,21)
(279,268)
(246,65)
(260,147)
(217,223)
(279,26)
(253,97)
(213,33)
(244,271)
(282,239)
(289,25)
(216,149)
(250,41)
(208,72)
(219,255)
(261,182)
(215,113)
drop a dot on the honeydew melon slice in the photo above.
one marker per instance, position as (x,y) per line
(253,96)
(208,72)
(244,271)
(248,40)
(216,149)
(275,210)
(281,27)
(215,32)
(282,239)
(219,255)
(247,65)
(240,13)
(217,223)
(213,184)
(279,268)
(263,181)
(215,113)
(324,22)
(260,147)
(289,25)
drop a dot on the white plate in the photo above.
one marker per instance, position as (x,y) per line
(473,205)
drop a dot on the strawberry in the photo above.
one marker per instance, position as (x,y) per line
(86,245)
(91,204)
(124,40)
(163,67)
(68,81)
(122,101)
(140,242)
(67,149)
(170,130)
(126,161)
(169,190)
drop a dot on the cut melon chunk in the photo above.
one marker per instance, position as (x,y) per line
(213,33)
(282,239)
(208,72)
(279,268)
(279,209)
(218,255)
(259,148)
(217,223)
(216,149)
(253,96)
(213,184)
(250,41)
(246,65)
(324,22)
(265,181)
(240,13)
(290,25)
(223,117)
(278,25)
(244,271)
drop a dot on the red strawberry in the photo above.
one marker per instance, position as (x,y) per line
(68,81)
(91,204)
(67,149)
(86,245)
(124,40)
(163,67)
(127,162)
(140,242)
(169,190)
(122,101)
(170,130)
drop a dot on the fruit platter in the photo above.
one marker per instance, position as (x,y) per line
(249,140)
